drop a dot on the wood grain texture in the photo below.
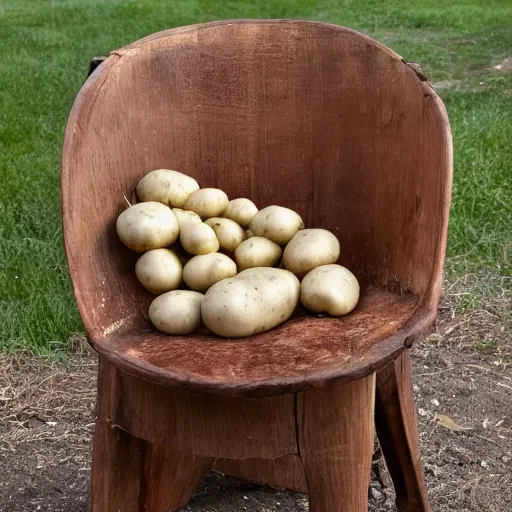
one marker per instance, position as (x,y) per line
(307,115)
(304,349)
(130,474)
(285,472)
(226,427)
(397,430)
(335,428)
(170,477)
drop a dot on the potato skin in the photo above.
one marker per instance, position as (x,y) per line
(198,238)
(176,312)
(205,270)
(185,216)
(207,202)
(228,232)
(159,270)
(257,252)
(255,300)
(241,210)
(331,289)
(171,188)
(276,223)
(146,226)
(310,248)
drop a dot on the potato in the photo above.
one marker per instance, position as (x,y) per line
(176,312)
(253,301)
(198,238)
(241,210)
(331,289)
(207,202)
(205,270)
(229,233)
(159,270)
(310,248)
(146,226)
(185,215)
(257,252)
(276,223)
(171,188)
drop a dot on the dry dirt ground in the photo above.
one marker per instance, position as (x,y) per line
(463,387)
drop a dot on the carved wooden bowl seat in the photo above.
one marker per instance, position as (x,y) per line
(311,116)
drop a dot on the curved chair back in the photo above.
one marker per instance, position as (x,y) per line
(314,117)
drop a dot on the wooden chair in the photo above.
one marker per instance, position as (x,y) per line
(306,115)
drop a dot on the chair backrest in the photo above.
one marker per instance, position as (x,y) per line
(306,115)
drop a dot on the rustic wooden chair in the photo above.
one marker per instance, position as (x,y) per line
(307,115)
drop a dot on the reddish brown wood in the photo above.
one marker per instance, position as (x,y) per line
(130,474)
(286,472)
(229,427)
(171,477)
(304,349)
(335,427)
(397,429)
(306,115)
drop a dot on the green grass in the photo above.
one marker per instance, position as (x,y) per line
(46,47)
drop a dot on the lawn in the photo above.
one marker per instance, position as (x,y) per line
(46,48)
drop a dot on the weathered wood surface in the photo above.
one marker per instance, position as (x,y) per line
(307,115)
(319,440)
(335,429)
(397,430)
(304,348)
(131,474)
(211,426)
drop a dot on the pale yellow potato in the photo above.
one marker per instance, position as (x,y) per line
(205,270)
(146,226)
(171,188)
(176,312)
(207,202)
(310,248)
(185,216)
(198,238)
(257,252)
(159,270)
(241,210)
(331,289)
(276,223)
(229,233)
(253,301)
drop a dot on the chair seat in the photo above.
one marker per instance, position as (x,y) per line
(305,351)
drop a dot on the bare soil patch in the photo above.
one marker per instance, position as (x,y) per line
(463,387)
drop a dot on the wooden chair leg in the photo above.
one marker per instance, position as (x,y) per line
(397,430)
(131,474)
(335,430)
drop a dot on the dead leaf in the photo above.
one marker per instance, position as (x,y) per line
(447,422)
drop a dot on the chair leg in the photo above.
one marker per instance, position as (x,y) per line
(397,430)
(131,474)
(335,430)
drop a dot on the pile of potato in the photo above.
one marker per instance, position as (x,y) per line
(225,254)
